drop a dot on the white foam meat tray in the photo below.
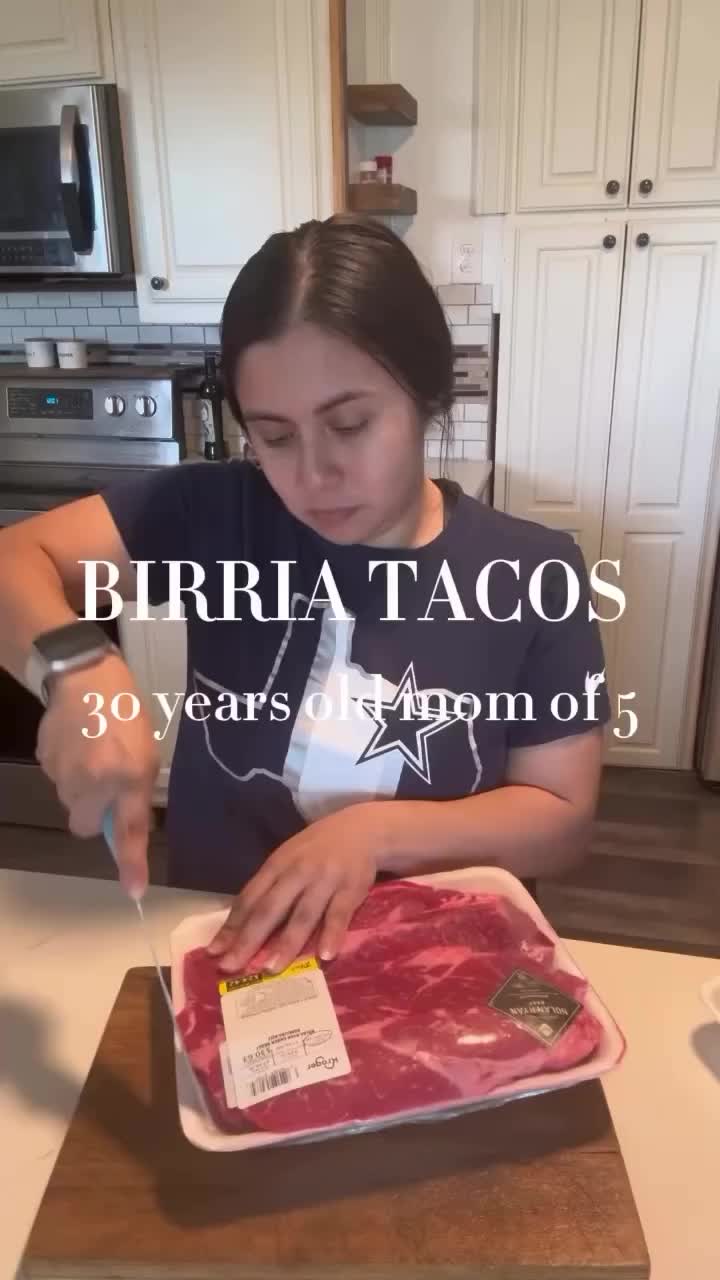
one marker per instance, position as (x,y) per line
(196,931)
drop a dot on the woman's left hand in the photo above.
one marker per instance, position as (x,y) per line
(318,877)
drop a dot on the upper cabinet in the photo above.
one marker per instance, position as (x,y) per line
(599,104)
(64,40)
(677,127)
(577,87)
(224,148)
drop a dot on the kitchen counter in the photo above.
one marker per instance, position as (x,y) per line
(65,944)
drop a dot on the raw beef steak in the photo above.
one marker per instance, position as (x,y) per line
(411,988)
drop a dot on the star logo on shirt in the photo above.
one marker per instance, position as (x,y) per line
(404,724)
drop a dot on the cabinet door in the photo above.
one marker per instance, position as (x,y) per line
(661,452)
(156,653)
(677,143)
(67,39)
(577,83)
(563,342)
(228,134)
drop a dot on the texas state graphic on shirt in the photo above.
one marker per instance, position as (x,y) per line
(352,731)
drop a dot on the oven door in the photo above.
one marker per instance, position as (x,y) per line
(27,796)
(63,206)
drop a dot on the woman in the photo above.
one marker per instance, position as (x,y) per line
(336,357)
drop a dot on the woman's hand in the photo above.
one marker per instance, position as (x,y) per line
(318,877)
(116,769)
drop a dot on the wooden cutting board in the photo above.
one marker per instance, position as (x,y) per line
(536,1190)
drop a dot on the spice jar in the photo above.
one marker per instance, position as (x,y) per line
(384,168)
(367,171)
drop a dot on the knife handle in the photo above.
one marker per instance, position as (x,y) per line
(108,832)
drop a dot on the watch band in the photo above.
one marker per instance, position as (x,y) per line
(36,675)
(39,673)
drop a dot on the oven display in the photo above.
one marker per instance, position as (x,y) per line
(39,402)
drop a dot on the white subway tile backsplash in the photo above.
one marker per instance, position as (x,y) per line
(90,332)
(155,333)
(471,431)
(71,315)
(433,431)
(118,299)
(432,448)
(474,450)
(6,337)
(22,299)
(456,315)
(456,293)
(103,315)
(53,300)
(40,315)
(123,333)
(184,333)
(471,334)
(476,411)
(113,316)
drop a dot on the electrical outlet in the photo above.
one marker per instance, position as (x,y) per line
(467,262)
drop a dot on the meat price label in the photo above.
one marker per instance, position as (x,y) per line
(282,1033)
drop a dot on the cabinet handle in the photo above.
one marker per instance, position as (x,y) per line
(609,242)
(158,282)
(642,240)
(612,187)
(645,187)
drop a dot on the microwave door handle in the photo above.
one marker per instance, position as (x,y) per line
(70,187)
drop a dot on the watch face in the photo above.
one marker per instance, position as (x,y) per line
(64,643)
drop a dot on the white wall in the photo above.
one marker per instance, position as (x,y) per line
(432,53)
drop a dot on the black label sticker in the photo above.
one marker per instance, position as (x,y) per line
(536,1006)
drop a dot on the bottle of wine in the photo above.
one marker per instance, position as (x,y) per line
(210,397)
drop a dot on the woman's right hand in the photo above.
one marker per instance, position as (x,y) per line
(116,769)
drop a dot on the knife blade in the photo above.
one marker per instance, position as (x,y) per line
(109,835)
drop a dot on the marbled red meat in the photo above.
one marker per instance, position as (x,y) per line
(410,988)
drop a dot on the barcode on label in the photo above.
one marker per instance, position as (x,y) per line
(273,1080)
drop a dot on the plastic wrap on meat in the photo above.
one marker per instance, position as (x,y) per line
(411,989)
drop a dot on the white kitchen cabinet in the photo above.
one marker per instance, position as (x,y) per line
(55,40)
(227,122)
(562,351)
(156,653)
(609,430)
(664,428)
(599,81)
(577,84)
(677,128)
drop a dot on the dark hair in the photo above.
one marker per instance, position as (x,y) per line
(356,278)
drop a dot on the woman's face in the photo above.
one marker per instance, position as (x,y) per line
(338,439)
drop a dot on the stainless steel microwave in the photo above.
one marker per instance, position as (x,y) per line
(63,197)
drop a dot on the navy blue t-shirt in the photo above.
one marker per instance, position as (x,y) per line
(308,713)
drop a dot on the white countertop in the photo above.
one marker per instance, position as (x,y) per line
(65,944)
(472,476)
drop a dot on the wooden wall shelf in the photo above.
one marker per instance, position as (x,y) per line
(381,104)
(381,198)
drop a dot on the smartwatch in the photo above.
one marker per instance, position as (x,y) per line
(68,648)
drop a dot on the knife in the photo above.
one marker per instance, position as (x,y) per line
(109,835)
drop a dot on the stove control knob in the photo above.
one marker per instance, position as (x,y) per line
(114,405)
(145,406)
